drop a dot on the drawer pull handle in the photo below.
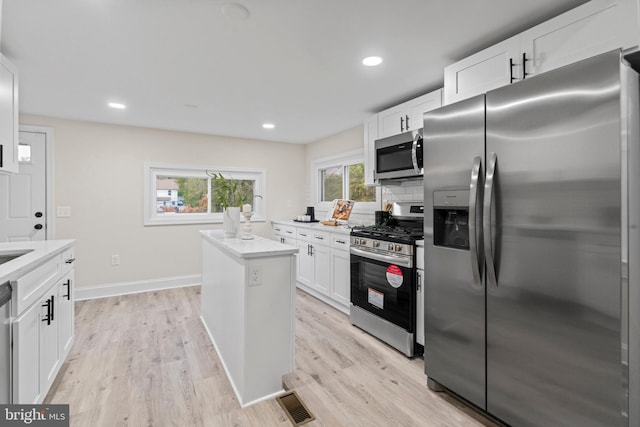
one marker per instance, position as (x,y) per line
(70,261)
(342,242)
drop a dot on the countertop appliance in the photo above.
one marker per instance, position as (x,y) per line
(383,278)
(399,156)
(531,214)
(5,343)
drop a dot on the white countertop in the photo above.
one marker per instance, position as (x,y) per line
(257,247)
(40,251)
(341,229)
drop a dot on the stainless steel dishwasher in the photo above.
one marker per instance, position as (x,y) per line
(5,343)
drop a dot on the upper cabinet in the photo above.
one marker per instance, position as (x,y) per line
(407,116)
(392,121)
(8,116)
(590,29)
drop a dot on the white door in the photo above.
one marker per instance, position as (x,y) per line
(23,216)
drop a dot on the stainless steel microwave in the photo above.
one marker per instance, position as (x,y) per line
(399,156)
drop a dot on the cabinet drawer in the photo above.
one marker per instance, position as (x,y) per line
(305,234)
(284,230)
(30,287)
(321,237)
(340,242)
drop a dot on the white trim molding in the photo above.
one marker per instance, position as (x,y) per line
(125,288)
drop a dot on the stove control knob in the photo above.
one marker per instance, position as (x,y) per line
(390,247)
(376,244)
(363,242)
(398,248)
(356,241)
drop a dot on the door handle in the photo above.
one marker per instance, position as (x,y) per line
(38,226)
(48,317)
(486,220)
(475,193)
(406,121)
(401,124)
(414,154)
(68,295)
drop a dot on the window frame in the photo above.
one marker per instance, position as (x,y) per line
(153,170)
(343,160)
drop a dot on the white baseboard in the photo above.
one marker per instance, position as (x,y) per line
(115,289)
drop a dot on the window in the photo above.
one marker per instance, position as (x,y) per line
(343,178)
(187,195)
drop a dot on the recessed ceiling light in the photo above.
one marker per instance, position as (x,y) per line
(372,61)
(268,125)
(117,105)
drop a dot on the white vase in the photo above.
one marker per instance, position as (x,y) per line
(231,221)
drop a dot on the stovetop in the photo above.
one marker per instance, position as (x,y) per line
(389,233)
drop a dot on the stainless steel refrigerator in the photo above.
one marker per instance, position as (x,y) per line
(531,247)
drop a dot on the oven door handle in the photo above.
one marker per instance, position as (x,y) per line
(402,261)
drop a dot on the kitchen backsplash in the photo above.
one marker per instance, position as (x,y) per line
(404,191)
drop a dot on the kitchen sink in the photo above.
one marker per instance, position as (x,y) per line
(6,256)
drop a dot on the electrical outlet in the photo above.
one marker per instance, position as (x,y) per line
(115,259)
(255,275)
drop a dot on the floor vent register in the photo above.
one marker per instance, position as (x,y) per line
(295,409)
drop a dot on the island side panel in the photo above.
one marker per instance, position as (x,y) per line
(270,331)
(223,309)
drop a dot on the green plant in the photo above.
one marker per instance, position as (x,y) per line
(228,192)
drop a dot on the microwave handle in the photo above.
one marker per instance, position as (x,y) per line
(414,154)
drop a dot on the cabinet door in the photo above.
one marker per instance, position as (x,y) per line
(593,28)
(49,339)
(65,315)
(26,360)
(420,105)
(305,264)
(370,136)
(8,116)
(392,121)
(341,275)
(322,268)
(483,71)
(420,307)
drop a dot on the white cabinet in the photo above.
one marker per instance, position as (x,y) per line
(407,116)
(340,270)
(8,116)
(420,295)
(43,332)
(323,261)
(284,234)
(314,259)
(592,28)
(26,356)
(370,136)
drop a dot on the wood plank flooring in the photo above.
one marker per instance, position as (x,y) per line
(146,360)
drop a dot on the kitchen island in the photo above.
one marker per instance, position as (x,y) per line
(248,301)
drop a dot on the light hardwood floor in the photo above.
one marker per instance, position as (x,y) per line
(146,360)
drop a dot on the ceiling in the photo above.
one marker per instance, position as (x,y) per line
(201,66)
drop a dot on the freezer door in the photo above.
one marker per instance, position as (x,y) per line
(554,195)
(454,292)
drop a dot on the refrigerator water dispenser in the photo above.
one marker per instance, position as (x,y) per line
(451,219)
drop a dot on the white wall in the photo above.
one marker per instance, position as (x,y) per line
(99,174)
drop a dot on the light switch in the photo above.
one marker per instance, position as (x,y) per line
(63,211)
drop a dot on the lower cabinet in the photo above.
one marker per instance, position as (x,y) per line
(323,263)
(42,339)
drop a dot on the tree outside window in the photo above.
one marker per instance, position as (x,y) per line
(345,182)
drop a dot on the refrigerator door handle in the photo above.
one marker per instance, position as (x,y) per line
(486,220)
(476,261)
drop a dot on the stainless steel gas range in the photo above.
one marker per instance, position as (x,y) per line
(383,278)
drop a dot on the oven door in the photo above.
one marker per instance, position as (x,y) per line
(385,289)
